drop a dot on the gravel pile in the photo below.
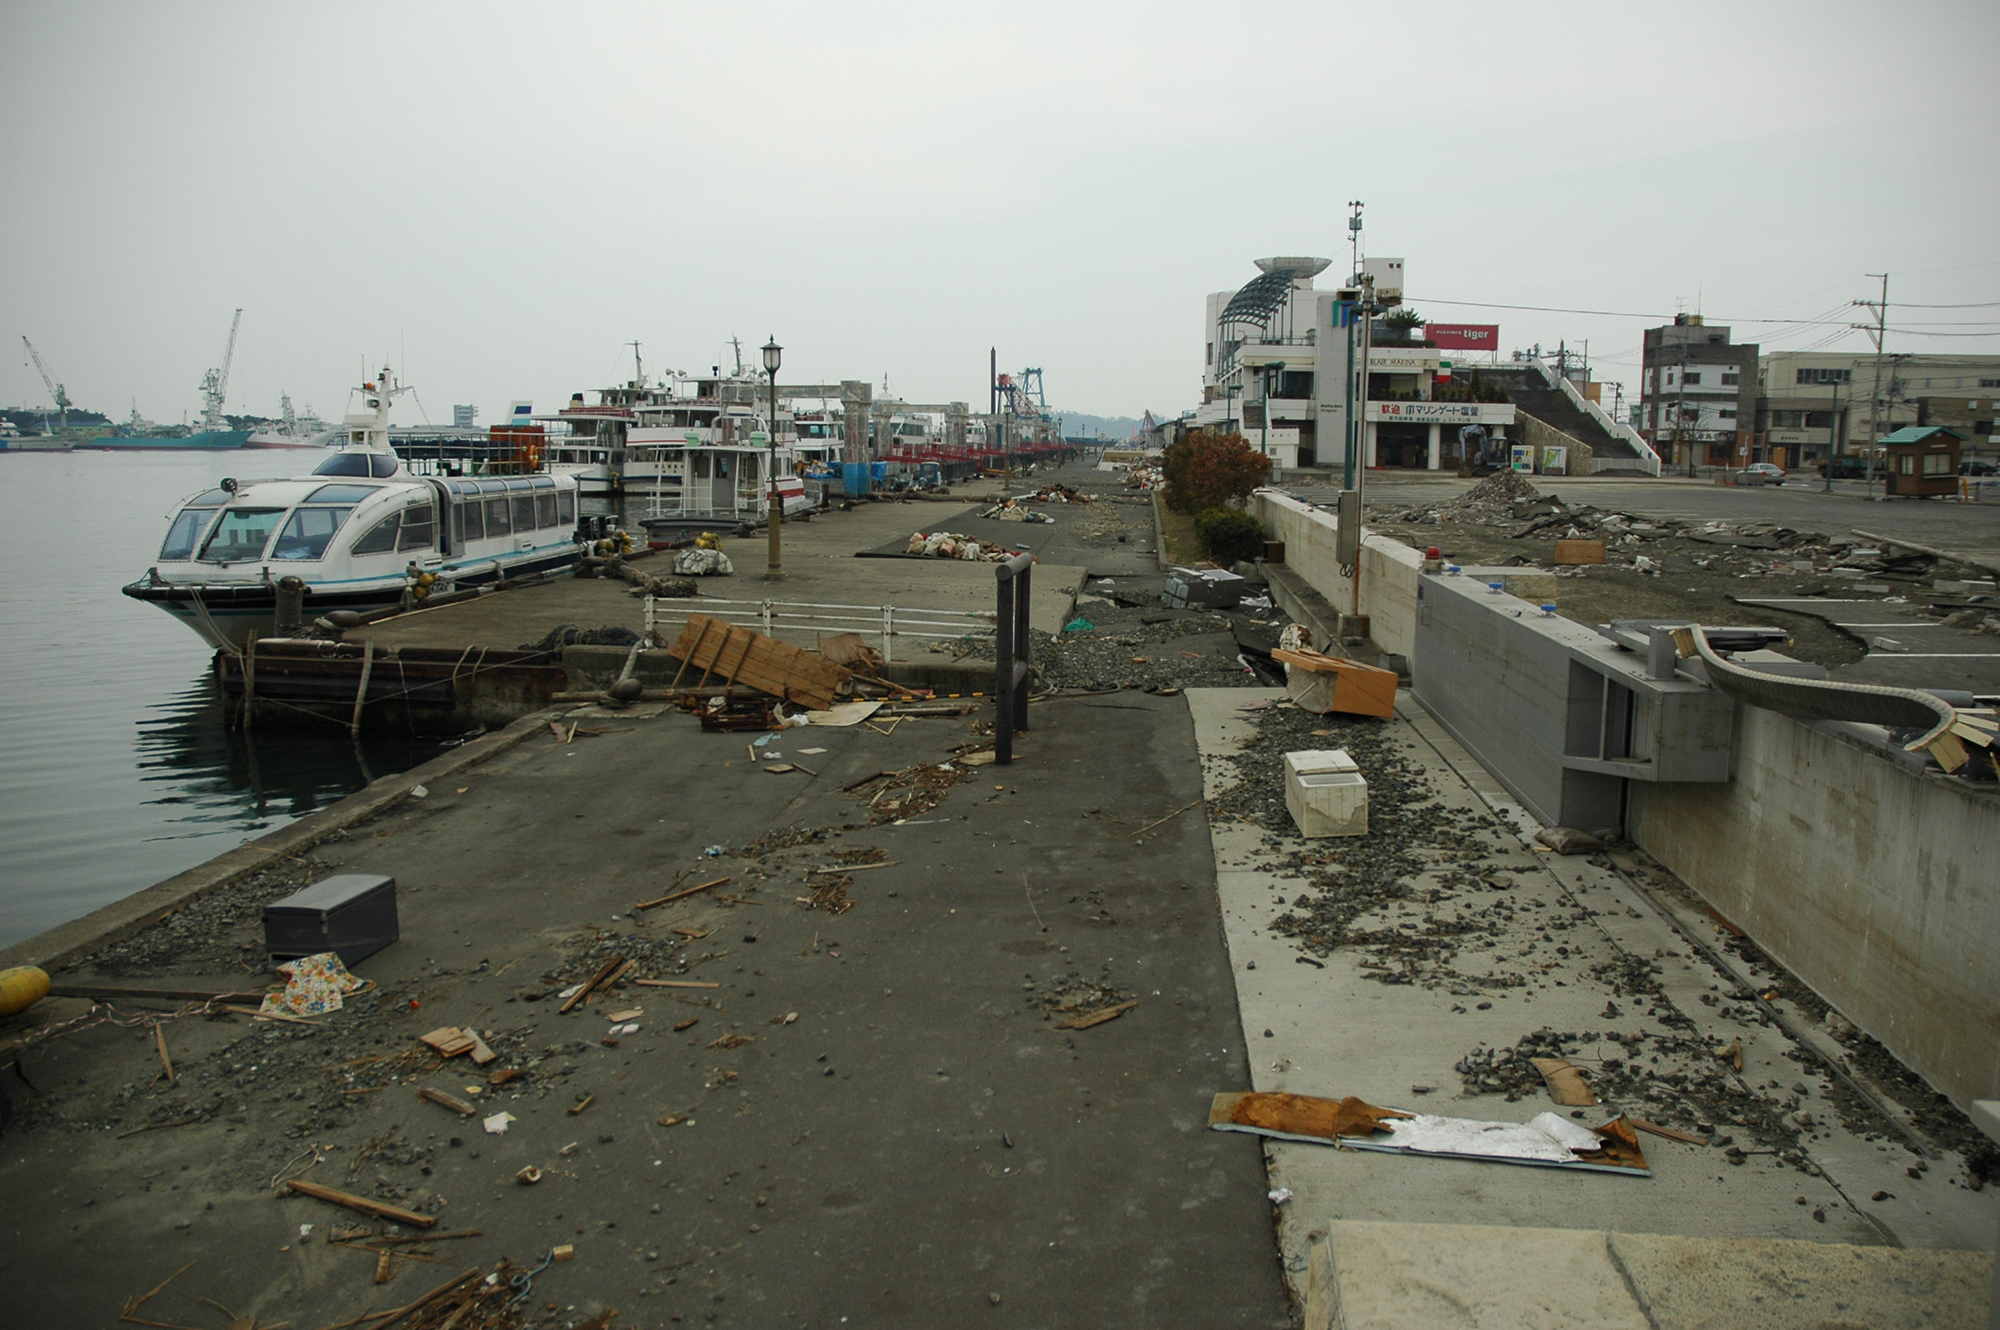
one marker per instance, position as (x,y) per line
(220,933)
(1153,648)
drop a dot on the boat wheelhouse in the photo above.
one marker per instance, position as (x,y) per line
(361,533)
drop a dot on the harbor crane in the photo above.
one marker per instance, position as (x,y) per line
(215,383)
(56,390)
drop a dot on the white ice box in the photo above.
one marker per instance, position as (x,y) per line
(1327,793)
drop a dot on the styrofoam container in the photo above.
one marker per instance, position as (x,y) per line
(1326,793)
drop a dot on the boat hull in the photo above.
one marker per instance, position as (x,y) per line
(208,440)
(226,616)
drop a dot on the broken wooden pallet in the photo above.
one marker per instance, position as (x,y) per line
(738,655)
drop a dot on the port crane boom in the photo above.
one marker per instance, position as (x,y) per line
(215,383)
(56,390)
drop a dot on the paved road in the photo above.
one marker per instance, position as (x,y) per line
(1964,530)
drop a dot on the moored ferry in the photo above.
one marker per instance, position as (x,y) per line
(361,533)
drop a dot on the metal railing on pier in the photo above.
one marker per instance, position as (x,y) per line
(807,620)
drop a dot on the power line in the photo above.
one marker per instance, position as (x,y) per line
(1601,313)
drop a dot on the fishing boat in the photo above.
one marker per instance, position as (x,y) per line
(362,532)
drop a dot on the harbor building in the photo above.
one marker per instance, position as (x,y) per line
(1283,362)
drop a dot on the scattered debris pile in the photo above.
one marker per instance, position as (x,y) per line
(953,545)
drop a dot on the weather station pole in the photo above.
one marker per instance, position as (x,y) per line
(775,519)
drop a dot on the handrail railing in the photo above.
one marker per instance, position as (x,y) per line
(804,618)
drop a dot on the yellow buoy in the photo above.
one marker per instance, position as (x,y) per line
(22,987)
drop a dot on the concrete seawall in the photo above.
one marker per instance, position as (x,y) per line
(1871,882)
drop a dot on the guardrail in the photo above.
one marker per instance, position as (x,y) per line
(775,618)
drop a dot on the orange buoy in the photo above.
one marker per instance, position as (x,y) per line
(21,987)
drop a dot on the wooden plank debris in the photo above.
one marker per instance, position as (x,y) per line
(1088,1019)
(1573,552)
(1669,1132)
(739,655)
(604,973)
(443,1100)
(674,983)
(116,993)
(676,895)
(380,1209)
(1358,690)
(448,1041)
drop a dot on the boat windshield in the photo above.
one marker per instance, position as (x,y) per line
(184,533)
(307,532)
(379,466)
(241,534)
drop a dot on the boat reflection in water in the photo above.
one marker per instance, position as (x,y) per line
(223,780)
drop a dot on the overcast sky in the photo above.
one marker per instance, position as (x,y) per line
(499,196)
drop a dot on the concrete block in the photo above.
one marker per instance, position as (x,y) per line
(1776,1284)
(1465,1277)
(1326,793)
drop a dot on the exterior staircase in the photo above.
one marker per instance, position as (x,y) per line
(1534,397)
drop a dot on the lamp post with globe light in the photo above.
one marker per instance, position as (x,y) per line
(773,356)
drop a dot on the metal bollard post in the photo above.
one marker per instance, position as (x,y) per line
(1010,650)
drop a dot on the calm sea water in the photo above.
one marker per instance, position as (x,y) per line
(116,770)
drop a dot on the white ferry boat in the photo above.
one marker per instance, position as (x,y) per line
(361,533)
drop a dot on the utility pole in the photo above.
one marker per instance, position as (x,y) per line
(1879,332)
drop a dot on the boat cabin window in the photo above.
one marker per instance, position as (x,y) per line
(185,532)
(524,512)
(419,527)
(471,521)
(340,493)
(380,538)
(498,520)
(308,531)
(374,465)
(545,510)
(565,507)
(241,534)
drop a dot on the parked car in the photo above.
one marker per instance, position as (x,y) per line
(1972,466)
(1762,473)
(1850,466)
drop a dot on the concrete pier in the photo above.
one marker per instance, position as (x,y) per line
(889,1109)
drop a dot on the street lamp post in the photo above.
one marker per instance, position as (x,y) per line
(775,518)
(1832,436)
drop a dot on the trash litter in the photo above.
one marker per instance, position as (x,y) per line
(1568,840)
(529,1176)
(700,561)
(314,985)
(1078,625)
(498,1123)
(1280,1195)
(1565,1081)
(1546,1141)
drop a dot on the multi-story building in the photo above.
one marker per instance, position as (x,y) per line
(1698,395)
(1283,361)
(1813,402)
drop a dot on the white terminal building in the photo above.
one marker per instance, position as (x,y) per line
(1284,362)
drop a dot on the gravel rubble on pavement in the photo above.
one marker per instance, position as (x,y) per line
(1447,901)
(1664,567)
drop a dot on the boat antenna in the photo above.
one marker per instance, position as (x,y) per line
(638,366)
(737,343)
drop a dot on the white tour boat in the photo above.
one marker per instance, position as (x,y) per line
(361,533)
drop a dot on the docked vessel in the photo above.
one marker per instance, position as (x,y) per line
(361,533)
